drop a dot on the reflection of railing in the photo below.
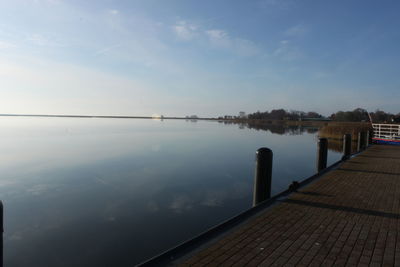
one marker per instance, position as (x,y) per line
(386,131)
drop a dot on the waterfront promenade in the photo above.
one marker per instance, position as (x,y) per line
(348,217)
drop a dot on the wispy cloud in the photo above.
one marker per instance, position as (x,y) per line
(275,4)
(239,46)
(297,31)
(246,47)
(321,74)
(47,1)
(185,31)
(6,45)
(113,12)
(106,50)
(287,51)
(219,37)
(41,40)
(135,40)
(216,38)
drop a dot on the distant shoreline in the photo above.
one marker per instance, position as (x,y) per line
(233,120)
(314,123)
(102,117)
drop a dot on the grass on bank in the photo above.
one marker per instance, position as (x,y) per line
(336,130)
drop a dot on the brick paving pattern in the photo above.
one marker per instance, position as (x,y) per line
(349,217)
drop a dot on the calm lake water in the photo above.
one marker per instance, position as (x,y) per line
(113,192)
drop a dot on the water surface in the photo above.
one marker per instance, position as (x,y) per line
(113,192)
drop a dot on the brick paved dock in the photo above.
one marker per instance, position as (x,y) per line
(349,217)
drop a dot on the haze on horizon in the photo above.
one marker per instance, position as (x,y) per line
(208,58)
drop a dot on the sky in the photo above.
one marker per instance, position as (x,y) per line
(208,57)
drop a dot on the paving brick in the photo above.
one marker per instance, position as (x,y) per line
(349,217)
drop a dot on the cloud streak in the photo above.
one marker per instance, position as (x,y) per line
(215,38)
(299,30)
(239,46)
(185,31)
(286,51)
(114,12)
(275,4)
(41,40)
(6,45)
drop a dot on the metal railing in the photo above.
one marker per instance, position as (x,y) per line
(386,131)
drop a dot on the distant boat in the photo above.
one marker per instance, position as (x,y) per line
(386,133)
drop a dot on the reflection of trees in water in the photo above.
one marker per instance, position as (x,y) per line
(337,145)
(281,129)
(274,128)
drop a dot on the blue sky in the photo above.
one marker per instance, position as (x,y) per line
(210,58)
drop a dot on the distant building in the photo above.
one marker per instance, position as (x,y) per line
(314,119)
(396,119)
(242,115)
(156,116)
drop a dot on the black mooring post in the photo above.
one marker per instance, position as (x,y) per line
(2,231)
(359,141)
(346,146)
(371,135)
(364,140)
(263,175)
(322,154)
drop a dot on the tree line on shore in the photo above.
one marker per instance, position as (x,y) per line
(356,115)
(281,114)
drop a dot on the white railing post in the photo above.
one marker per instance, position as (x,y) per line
(379,126)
